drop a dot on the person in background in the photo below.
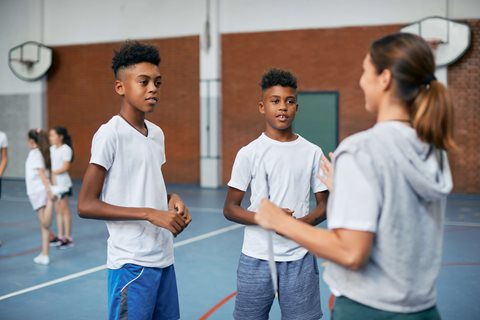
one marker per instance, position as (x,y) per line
(3,157)
(37,167)
(61,152)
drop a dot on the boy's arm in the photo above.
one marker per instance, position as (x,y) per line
(232,209)
(319,214)
(91,207)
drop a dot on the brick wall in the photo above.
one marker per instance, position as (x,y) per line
(322,60)
(464,86)
(330,60)
(81,97)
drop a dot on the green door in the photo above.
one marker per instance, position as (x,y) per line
(317,119)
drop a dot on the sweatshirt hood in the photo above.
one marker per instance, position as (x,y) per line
(425,167)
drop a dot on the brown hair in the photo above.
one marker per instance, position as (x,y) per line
(40,137)
(410,60)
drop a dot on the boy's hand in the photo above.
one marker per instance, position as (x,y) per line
(176,203)
(169,220)
(269,216)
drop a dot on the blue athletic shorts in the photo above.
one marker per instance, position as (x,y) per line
(298,289)
(136,292)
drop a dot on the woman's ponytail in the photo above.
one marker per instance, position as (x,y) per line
(433,116)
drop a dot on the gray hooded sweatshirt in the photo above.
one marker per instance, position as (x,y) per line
(410,180)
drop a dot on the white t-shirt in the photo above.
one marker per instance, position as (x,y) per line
(291,170)
(134,179)
(3,140)
(59,155)
(34,162)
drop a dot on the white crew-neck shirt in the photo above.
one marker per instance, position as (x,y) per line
(291,170)
(60,155)
(34,162)
(3,140)
(134,179)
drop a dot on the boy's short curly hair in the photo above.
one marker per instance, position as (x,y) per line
(133,52)
(278,77)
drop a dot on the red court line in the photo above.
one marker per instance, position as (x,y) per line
(218,306)
(21,253)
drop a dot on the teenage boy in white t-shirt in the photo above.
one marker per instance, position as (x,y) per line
(282,166)
(124,185)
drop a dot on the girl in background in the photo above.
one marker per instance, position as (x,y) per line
(39,192)
(61,153)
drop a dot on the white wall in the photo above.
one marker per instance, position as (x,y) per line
(90,21)
(20,21)
(87,21)
(21,103)
(267,15)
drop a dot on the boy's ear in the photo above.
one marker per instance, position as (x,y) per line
(119,88)
(261,107)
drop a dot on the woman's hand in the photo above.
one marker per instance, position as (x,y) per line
(327,169)
(270,216)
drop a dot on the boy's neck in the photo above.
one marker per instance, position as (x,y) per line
(281,135)
(135,118)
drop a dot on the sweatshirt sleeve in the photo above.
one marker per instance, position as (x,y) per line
(354,204)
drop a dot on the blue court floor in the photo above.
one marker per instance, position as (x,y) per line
(73,286)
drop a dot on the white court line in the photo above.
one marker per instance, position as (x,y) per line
(104,266)
(462,224)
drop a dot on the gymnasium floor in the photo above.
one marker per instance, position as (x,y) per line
(73,286)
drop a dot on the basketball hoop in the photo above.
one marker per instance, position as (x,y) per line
(27,63)
(448,39)
(30,60)
(434,43)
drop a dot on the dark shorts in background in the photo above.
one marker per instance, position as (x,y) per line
(347,309)
(68,193)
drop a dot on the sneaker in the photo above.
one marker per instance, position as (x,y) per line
(42,259)
(55,241)
(65,244)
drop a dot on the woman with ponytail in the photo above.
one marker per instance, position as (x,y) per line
(61,152)
(37,169)
(388,192)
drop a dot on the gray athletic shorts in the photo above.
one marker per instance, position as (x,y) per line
(298,286)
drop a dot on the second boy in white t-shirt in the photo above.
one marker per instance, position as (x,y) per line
(282,166)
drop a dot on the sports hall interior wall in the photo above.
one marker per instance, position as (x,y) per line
(323,59)
(81,97)
(330,60)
